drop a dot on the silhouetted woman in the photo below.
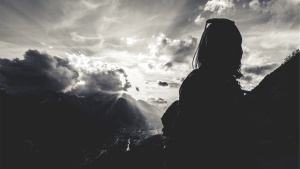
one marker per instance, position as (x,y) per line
(211,128)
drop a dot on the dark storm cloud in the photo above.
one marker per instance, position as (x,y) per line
(260,70)
(37,70)
(42,71)
(163,84)
(157,101)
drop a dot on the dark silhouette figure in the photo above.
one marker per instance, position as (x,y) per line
(169,117)
(210,129)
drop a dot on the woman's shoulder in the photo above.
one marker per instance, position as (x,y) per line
(196,76)
(193,75)
(194,72)
(193,80)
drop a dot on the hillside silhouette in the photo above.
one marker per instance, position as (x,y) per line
(45,129)
(274,107)
(275,101)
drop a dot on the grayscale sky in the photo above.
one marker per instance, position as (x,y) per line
(140,47)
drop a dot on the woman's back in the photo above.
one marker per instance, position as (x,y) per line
(209,128)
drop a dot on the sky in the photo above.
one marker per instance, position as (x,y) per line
(140,47)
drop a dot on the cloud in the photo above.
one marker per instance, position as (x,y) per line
(97,76)
(219,6)
(246,78)
(152,17)
(72,14)
(160,102)
(169,64)
(284,40)
(255,65)
(130,44)
(174,49)
(286,12)
(250,81)
(277,13)
(199,20)
(113,80)
(83,50)
(253,57)
(157,100)
(77,74)
(89,4)
(132,41)
(260,70)
(175,85)
(163,84)
(252,75)
(87,41)
(255,5)
(274,29)
(111,20)
(37,70)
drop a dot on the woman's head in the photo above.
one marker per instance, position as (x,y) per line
(220,47)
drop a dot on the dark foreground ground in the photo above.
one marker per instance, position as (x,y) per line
(136,150)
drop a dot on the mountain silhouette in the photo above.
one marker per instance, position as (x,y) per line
(274,112)
(275,101)
(43,129)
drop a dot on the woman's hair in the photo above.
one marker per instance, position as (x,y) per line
(220,47)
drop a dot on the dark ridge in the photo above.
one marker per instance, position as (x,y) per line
(46,129)
(275,101)
(274,107)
